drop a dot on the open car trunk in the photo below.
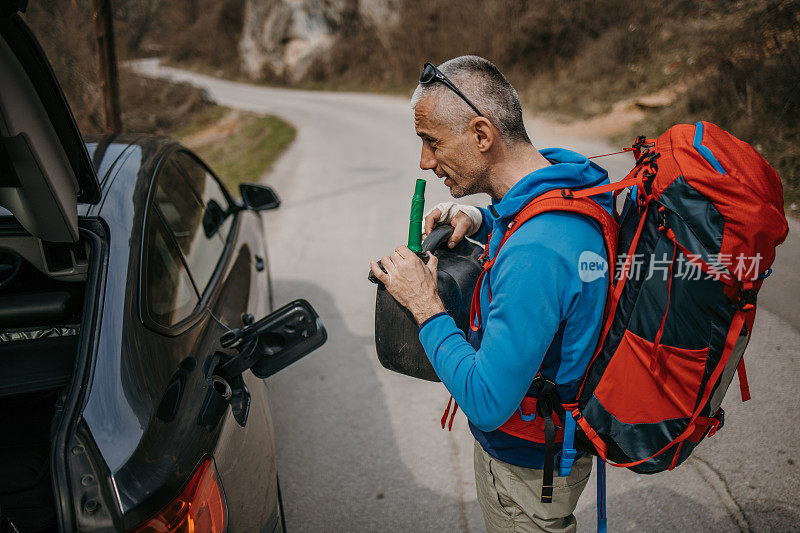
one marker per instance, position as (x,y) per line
(48,266)
(42,361)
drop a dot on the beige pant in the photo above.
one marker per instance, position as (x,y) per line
(510,496)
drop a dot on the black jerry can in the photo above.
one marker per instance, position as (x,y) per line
(396,331)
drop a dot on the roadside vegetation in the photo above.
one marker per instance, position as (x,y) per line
(240,147)
(66,32)
(735,63)
(732,62)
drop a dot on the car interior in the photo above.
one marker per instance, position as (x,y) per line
(44,262)
(40,318)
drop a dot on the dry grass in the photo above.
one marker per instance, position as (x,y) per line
(200,34)
(752,89)
(735,63)
(522,38)
(240,147)
(65,30)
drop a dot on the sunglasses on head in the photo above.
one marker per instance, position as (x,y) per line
(430,74)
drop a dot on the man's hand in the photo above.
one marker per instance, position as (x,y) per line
(449,212)
(411,282)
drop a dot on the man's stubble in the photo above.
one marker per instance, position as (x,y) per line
(474,179)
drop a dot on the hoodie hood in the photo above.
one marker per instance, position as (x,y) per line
(569,170)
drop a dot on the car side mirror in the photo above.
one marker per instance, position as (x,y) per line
(213,217)
(259,197)
(275,341)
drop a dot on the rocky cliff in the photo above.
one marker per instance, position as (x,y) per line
(285,39)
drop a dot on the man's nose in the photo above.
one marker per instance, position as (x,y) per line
(426,159)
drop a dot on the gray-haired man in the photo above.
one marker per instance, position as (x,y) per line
(539,319)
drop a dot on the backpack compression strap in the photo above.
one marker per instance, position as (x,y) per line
(547,404)
(697,424)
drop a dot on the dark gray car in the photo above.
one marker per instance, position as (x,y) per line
(136,326)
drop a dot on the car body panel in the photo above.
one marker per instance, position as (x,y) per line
(115,426)
(134,364)
(114,447)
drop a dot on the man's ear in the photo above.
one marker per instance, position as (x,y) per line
(483,132)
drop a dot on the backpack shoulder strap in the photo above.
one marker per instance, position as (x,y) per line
(558,200)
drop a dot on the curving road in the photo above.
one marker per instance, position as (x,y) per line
(360,449)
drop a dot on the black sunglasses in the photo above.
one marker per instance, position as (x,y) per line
(430,74)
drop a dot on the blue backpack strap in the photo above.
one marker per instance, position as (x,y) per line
(602,521)
(568,451)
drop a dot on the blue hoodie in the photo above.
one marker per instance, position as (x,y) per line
(542,317)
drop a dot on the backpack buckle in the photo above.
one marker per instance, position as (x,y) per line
(720,418)
(567,194)
(641,142)
(648,157)
(567,460)
(662,218)
(568,451)
(747,299)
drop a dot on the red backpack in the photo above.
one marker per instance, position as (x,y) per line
(695,240)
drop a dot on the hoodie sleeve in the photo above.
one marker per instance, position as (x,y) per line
(531,283)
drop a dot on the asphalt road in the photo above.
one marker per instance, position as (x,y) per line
(360,448)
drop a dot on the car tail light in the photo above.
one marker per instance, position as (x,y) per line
(200,508)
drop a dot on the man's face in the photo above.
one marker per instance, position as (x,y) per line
(452,156)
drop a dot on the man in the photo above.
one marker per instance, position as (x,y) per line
(537,315)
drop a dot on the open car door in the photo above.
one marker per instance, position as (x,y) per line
(44,167)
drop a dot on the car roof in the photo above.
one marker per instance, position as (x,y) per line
(110,156)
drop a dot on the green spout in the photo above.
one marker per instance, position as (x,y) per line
(415,219)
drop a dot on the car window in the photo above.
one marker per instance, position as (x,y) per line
(198,227)
(217,217)
(169,293)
